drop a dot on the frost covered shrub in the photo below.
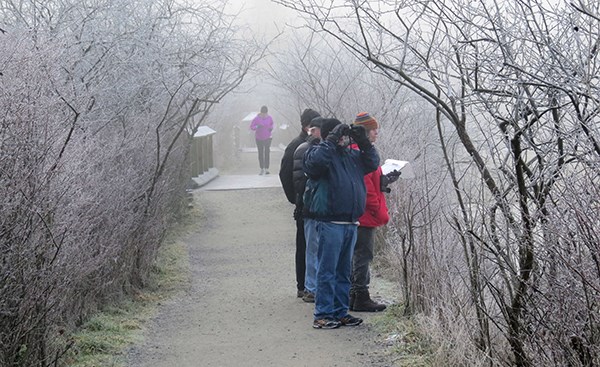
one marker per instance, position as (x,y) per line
(500,230)
(98,105)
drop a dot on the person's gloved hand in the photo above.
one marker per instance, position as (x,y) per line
(337,132)
(393,176)
(358,133)
(387,179)
(312,140)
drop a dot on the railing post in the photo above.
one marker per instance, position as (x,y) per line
(202,151)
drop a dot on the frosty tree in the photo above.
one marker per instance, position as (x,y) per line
(99,102)
(515,84)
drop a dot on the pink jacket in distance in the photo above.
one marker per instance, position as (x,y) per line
(262,127)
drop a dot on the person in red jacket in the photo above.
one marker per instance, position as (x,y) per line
(375,215)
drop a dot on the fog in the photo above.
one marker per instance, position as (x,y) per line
(264,17)
(266,22)
(493,243)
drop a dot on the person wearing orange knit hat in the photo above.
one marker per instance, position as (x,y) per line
(375,215)
(367,121)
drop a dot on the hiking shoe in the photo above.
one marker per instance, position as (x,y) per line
(308,297)
(299,293)
(364,303)
(326,324)
(350,320)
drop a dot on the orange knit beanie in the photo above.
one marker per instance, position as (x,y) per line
(366,120)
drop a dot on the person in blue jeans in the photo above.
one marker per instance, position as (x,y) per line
(336,198)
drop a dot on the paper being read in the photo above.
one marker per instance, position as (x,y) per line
(403,166)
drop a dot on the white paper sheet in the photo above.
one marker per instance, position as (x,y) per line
(404,167)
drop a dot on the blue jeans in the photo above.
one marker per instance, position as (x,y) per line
(336,245)
(312,260)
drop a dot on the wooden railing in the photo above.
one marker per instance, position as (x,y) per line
(201,151)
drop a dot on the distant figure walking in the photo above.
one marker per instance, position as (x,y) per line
(262,125)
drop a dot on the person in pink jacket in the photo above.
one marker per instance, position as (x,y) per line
(262,125)
(375,215)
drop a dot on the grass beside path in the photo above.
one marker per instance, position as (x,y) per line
(405,343)
(104,339)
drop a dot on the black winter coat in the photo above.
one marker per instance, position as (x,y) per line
(287,167)
(298,173)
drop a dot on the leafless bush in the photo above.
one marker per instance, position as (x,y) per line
(99,103)
(502,238)
(322,75)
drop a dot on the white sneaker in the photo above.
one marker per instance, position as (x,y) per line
(262,172)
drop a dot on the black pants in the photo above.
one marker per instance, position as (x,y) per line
(363,255)
(264,152)
(300,254)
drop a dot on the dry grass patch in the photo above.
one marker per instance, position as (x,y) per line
(104,339)
(407,344)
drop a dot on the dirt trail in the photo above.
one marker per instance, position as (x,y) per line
(240,308)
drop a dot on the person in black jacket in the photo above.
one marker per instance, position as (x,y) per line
(311,261)
(287,181)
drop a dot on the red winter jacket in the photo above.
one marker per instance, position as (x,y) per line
(376,211)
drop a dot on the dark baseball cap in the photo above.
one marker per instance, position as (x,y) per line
(316,122)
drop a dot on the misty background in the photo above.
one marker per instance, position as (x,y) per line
(493,245)
(269,23)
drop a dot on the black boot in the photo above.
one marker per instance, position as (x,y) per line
(352,299)
(364,303)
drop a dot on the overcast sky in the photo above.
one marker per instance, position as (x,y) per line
(264,19)
(263,16)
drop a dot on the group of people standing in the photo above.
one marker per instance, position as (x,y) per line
(331,172)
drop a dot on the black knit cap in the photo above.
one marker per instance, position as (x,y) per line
(327,125)
(307,116)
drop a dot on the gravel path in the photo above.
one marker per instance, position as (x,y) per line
(241,308)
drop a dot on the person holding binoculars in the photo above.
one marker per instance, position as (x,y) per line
(335,197)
